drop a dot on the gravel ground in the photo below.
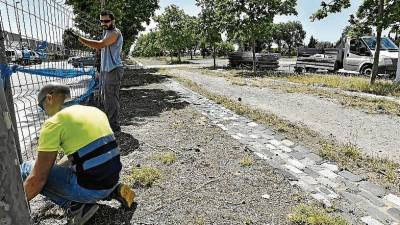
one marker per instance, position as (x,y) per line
(206,184)
(376,135)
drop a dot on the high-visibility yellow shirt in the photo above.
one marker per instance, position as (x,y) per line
(73,128)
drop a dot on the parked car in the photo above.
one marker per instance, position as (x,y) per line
(35,58)
(14,55)
(82,61)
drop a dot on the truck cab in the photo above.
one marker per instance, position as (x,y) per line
(359,55)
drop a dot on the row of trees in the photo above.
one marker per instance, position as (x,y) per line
(247,23)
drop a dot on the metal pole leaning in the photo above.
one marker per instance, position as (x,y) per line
(13,204)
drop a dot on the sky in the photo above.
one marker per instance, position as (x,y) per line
(328,29)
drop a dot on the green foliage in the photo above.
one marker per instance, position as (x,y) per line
(145,176)
(130,16)
(148,45)
(224,48)
(312,215)
(312,43)
(293,34)
(334,6)
(173,27)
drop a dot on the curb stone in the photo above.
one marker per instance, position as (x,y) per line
(331,184)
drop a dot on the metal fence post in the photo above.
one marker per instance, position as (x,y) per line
(13,204)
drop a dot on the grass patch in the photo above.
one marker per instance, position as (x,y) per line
(246,161)
(313,215)
(309,84)
(347,156)
(145,176)
(167,158)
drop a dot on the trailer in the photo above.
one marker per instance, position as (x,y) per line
(264,61)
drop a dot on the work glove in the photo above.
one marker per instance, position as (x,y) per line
(72,33)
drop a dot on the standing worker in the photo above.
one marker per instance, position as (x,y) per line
(111,67)
(89,172)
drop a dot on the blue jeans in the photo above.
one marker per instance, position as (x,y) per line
(62,187)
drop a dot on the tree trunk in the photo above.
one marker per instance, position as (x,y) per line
(13,205)
(191,54)
(290,51)
(398,68)
(179,56)
(378,43)
(215,63)
(254,56)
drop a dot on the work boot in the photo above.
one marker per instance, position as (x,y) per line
(124,194)
(80,213)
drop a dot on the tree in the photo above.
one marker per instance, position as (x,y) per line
(251,19)
(172,25)
(211,24)
(277,34)
(312,43)
(293,34)
(194,31)
(148,45)
(381,15)
(131,15)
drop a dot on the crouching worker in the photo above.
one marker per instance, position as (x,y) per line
(92,170)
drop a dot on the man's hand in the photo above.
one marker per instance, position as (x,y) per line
(35,182)
(71,33)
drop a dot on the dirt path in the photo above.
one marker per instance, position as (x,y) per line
(205,185)
(376,135)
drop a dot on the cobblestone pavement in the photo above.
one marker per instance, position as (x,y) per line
(376,135)
(361,201)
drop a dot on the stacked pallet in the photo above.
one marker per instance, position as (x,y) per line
(245,59)
(313,58)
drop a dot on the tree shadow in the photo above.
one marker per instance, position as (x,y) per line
(109,215)
(141,77)
(139,103)
(126,142)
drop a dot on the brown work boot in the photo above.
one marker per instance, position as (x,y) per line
(125,195)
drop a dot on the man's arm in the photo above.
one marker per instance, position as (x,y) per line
(109,40)
(35,182)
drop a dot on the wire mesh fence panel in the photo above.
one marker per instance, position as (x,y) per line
(39,51)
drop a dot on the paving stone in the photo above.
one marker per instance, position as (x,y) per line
(281,154)
(252,124)
(287,143)
(304,186)
(347,184)
(316,158)
(373,188)
(307,161)
(287,174)
(241,135)
(395,213)
(330,166)
(370,221)
(301,148)
(292,169)
(261,155)
(254,136)
(393,199)
(298,155)
(375,212)
(279,137)
(285,148)
(327,182)
(275,142)
(236,137)
(322,198)
(296,163)
(311,172)
(328,174)
(308,179)
(270,146)
(372,198)
(350,176)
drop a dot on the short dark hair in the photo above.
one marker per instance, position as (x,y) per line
(108,13)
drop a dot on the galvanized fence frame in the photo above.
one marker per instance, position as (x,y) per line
(39,27)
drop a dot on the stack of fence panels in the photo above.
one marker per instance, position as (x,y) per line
(317,58)
(245,59)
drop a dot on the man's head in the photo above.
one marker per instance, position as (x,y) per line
(107,20)
(52,96)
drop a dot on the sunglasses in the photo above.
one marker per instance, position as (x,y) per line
(105,21)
